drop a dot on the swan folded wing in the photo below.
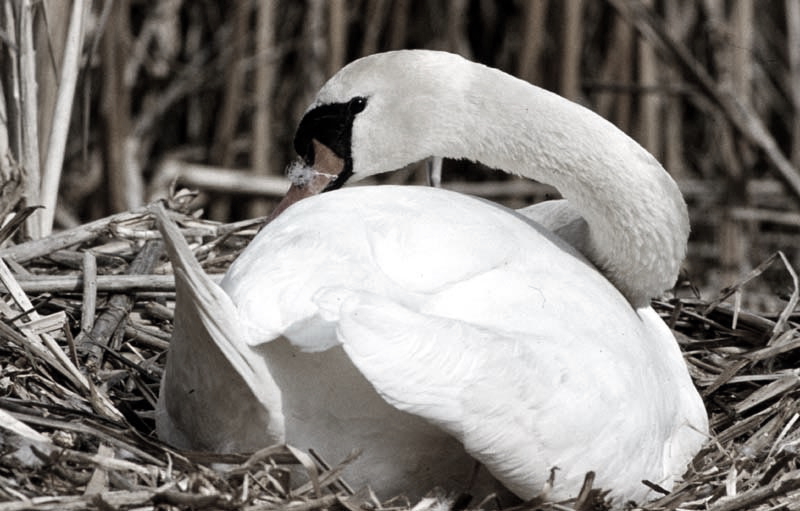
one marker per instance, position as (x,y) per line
(316,243)
(691,432)
(207,329)
(564,220)
(477,384)
(445,239)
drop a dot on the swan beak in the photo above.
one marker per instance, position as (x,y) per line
(326,168)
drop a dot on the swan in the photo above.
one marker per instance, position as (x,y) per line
(430,328)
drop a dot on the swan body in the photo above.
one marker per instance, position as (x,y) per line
(429,328)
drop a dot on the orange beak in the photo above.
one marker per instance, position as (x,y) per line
(326,168)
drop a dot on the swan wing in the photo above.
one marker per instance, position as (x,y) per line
(441,369)
(563,220)
(516,402)
(246,409)
(352,238)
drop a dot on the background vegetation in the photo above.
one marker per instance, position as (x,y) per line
(107,102)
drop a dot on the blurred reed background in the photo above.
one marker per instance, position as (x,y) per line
(108,103)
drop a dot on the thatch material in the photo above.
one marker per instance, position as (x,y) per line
(81,364)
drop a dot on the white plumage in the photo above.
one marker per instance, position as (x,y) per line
(419,320)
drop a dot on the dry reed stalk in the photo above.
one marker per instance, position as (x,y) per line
(222,150)
(750,214)
(36,248)
(29,118)
(455,31)
(172,172)
(572,44)
(20,167)
(266,70)
(125,186)
(733,57)
(612,105)
(679,20)
(89,292)
(742,26)
(119,306)
(374,18)
(398,29)
(532,40)
(793,49)
(54,154)
(337,35)
(19,217)
(11,108)
(104,283)
(49,41)
(649,130)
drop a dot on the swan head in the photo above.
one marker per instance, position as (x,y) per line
(374,116)
(385,111)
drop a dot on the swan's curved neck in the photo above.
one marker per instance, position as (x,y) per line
(638,220)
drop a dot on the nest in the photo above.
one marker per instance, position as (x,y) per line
(86,320)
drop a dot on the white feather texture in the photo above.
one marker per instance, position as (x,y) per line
(483,323)
(425,326)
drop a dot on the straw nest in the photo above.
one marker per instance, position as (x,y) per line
(86,318)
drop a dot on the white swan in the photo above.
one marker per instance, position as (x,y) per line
(419,320)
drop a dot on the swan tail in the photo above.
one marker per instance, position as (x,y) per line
(216,393)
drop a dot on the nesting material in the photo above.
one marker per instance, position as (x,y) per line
(79,388)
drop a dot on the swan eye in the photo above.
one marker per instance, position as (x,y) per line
(357,104)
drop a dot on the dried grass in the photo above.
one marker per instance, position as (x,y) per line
(79,383)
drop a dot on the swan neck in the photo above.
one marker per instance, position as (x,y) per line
(637,218)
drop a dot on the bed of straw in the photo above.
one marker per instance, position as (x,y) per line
(85,321)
